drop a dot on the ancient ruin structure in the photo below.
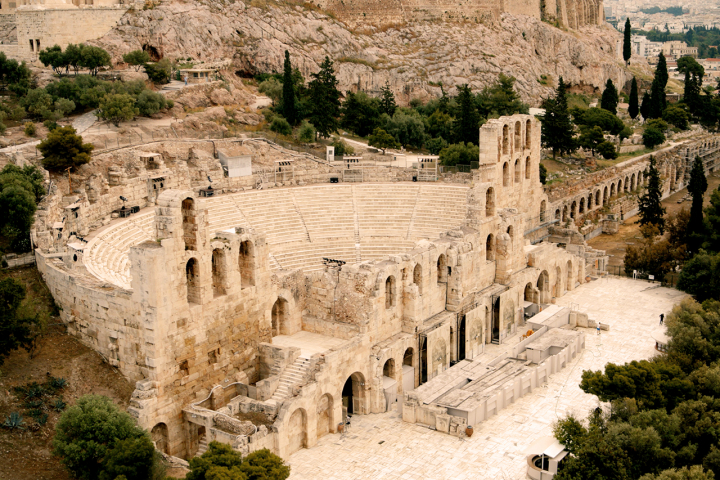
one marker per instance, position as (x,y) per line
(29,26)
(568,13)
(262,315)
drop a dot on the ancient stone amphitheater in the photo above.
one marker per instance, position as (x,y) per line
(223,312)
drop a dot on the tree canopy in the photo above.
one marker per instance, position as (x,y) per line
(64,148)
(18,329)
(557,129)
(220,461)
(325,99)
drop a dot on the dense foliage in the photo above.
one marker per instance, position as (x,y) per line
(20,190)
(18,328)
(96,440)
(77,57)
(64,148)
(220,461)
(706,39)
(650,207)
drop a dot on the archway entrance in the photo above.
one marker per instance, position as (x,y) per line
(496,320)
(543,285)
(353,395)
(279,315)
(297,431)
(159,435)
(409,381)
(461,339)
(569,275)
(423,359)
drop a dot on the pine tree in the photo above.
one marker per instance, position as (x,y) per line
(697,187)
(467,118)
(387,100)
(645,106)
(289,110)
(627,42)
(610,98)
(324,99)
(650,207)
(633,107)
(557,129)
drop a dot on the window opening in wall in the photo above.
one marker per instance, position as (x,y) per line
(417,277)
(543,206)
(517,171)
(192,279)
(496,319)
(218,272)
(441,269)
(506,140)
(518,137)
(423,359)
(489,202)
(461,339)
(390,292)
(527,168)
(506,175)
(490,248)
(188,223)
(510,232)
(37,45)
(528,134)
(32,45)
(247,264)
(184,368)
(557,214)
(279,314)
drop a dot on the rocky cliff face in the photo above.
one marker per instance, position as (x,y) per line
(415,57)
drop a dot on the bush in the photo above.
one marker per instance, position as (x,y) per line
(136,58)
(382,140)
(676,116)
(652,137)
(599,117)
(435,145)
(30,129)
(149,102)
(607,150)
(306,132)
(63,148)
(459,154)
(341,147)
(220,461)
(701,277)
(281,126)
(51,125)
(117,107)
(159,72)
(96,440)
(17,330)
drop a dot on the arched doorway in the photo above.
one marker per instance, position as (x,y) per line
(490,248)
(461,339)
(529,294)
(564,214)
(543,285)
(441,269)
(279,316)
(409,361)
(605,196)
(353,394)
(417,277)
(389,368)
(390,292)
(192,280)
(325,415)
(246,263)
(496,320)
(558,282)
(423,360)
(488,326)
(159,435)
(489,202)
(187,209)
(297,431)
(506,175)
(219,273)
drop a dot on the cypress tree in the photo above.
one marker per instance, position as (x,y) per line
(650,207)
(645,106)
(387,100)
(467,118)
(657,90)
(289,111)
(697,187)
(557,129)
(325,99)
(610,98)
(627,42)
(633,107)
(661,71)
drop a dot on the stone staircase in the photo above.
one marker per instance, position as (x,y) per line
(202,446)
(292,376)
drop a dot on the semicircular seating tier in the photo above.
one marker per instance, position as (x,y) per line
(302,225)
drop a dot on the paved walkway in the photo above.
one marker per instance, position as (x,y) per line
(383,446)
(81,123)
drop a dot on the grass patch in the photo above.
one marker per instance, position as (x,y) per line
(358,61)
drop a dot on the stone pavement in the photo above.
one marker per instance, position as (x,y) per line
(383,446)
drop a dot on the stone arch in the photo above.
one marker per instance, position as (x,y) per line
(353,394)
(589,202)
(529,293)
(490,247)
(490,202)
(159,435)
(488,326)
(527,168)
(409,360)
(417,277)
(325,423)
(506,140)
(573,209)
(518,136)
(612,190)
(246,263)
(390,291)
(389,368)
(297,431)
(626,185)
(511,233)
(518,173)
(439,356)
(187,209)
(581,206)
(597,198)
(279,317)
(569,285)
(619,187)
(558,282)
(528,134)
(557,214)
(219,272)
(192,280)
(543,207)
(565,213)
(543,285)
(605,196)
(442,269)
(506,174)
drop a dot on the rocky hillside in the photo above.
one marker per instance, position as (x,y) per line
(415,57)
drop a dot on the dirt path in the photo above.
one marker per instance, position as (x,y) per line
(629,232)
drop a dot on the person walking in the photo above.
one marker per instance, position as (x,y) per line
(662,318)
(598,329)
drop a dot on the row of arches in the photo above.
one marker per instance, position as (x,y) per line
(545,290)
(517,137)
(220,272)
(516,172)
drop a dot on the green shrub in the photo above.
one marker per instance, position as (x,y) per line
(30,129)
(459,154)
(341,147)
(159,72)
(63,148)
(118,107)
(306,132)
(607,150)
(281,126)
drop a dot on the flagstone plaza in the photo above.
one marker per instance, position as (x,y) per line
(383,446)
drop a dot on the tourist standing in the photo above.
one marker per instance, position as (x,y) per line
(662,317)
